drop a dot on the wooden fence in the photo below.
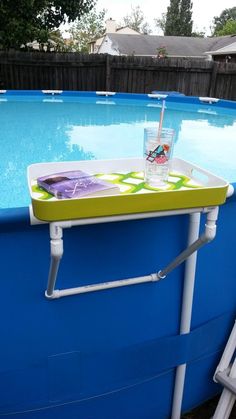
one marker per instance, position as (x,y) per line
(71,71)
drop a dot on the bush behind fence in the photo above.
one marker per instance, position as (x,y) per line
(93,72)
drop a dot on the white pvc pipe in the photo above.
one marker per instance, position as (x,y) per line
(187,299)
(187,303)
(228,353)
(52,276)
(207,236)
(56,244)
(189,279)
(227,399)
(135,216)
(101,286)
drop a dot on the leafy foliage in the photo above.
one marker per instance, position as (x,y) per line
(161,22)
(172,26)
(89,27)
(219,22)
(136,20)
(161,52)
(179,18)
(24,21)
(185,16)
(198,34)
(228,29)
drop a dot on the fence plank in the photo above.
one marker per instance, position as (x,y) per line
(72,71)
(213,79)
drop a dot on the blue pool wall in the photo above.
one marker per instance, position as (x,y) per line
(110,354)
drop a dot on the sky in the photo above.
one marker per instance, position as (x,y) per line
(203,10)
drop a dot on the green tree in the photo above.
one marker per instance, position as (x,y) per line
(161,22)
(199,34)
(172,26)
(179,18)
(136,20)
(24,21)
(89,27)
(220,21)
(161,52)
(228,29)
(55,39)
(185,17)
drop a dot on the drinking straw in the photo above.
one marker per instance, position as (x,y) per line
(161,121)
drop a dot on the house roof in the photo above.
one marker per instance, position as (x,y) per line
(228,49)
(175,46)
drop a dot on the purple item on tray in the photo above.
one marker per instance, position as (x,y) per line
(75,184)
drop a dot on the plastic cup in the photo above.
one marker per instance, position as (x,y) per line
(158,150)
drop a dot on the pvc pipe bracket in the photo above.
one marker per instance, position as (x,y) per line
(56,234)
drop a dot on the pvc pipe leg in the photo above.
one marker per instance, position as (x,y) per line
(56,244)
(52,276)
(186,312)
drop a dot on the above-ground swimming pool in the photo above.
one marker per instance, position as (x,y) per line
(110,354)
(37,128)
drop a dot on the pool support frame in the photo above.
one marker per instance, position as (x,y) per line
(195,242)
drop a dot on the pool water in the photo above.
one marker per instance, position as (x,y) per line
(38,129)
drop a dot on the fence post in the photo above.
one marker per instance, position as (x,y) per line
(213,79)
(108,73)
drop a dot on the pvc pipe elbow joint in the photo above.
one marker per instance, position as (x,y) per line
(210,232)
(230,190)
(55,294)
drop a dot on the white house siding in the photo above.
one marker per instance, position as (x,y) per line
(107,48)
(111,27)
